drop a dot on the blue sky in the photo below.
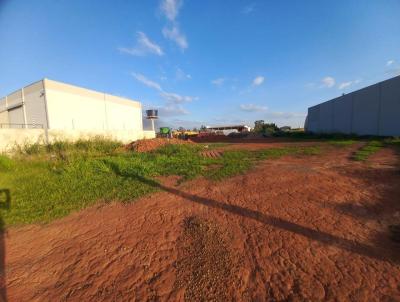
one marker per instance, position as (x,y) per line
(204,62)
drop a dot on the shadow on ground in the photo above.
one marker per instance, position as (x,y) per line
(375,252)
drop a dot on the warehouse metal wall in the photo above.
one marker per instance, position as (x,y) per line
(374,110)
(75,108)
(24,108)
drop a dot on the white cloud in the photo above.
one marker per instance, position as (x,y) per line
(258,80)
(345,85)
(218,82)
(170,8)
(328,82)
(143,47)
(170,97)
(149,83)
(390,62)
(249,8)
(252,108)
(175,35)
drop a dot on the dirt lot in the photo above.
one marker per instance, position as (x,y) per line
(296,228)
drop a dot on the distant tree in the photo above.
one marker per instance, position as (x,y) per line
(203,128)
(270,129)
(265,128)
(181,129)
(258,126)
(194,129)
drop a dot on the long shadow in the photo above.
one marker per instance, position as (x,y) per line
(320,236)
(5,201)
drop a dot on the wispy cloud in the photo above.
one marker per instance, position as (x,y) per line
(173,33)
(181,75)
(170,97)
(218,82)
(258,81)
(328,82)
(394,69)
(177,98)
(252,108)
(170,8)
(172,110)
(345,85)
(390,62)
(143,46)
(248,8)
(142,79)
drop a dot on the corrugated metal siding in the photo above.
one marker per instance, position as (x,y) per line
(34,105)
(14,98)
(16,117)
(2,104)
(4,117)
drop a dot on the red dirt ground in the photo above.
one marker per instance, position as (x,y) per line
(293,229)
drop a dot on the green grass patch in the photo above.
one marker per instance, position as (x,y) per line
(49,182)
(342,143)
(366,151)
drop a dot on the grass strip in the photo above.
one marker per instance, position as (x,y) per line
(367,150)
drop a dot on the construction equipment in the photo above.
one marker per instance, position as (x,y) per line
(165,132)
(184,134)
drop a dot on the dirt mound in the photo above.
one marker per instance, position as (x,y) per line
(147,145)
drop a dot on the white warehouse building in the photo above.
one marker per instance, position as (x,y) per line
(66,111)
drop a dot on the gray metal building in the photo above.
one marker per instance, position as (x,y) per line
(373,110)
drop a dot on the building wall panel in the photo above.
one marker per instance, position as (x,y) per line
(313,119)
(365,110)
(16,117)
(123,117)
(14,98)
(72,111)
(342,114)
(389,123)
(35,107)
(326,117)
(4,118)
(374,110)
(2,104)
(70,108)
